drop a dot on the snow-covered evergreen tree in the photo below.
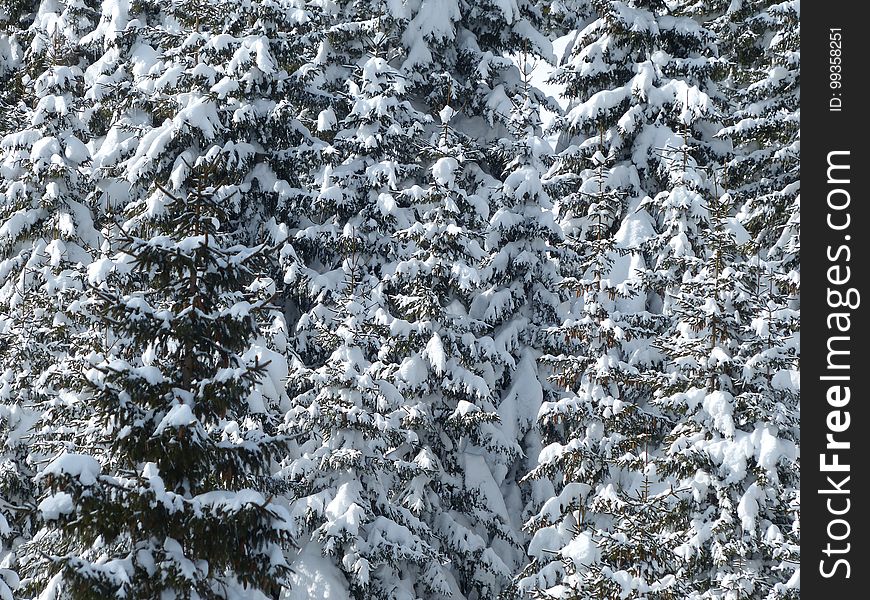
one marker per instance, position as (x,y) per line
(359,461)
(729,459)
(643,78)
(402,191)
(767,395)
(354,461)
(178,503)
(47,235)
(603,520)
(13,477)
(447,364)
(765,123)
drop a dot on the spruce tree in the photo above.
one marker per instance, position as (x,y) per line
(47,236)
(767,395)
(391,187)
(764,124)
(760,42)
(604,520)
(12,480)
(522,362)
(730,452)
(447,365)
(357,464)
(643,79)
(178,503)
(354,458)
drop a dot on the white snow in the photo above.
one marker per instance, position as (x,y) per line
(747,508)
(445,114)
(199,112)
(44,150)
(434,352)
(150,374)
(413,370)
(786,379)
(444,171)
(227,85)
(180,415)
(581,550)
(479,480)
(74,150)
(81,467)
(525,181)
(635,229)
(326,120)
(519,409)
(314,576)
(736,229)
(343,511)
(52,507)
(272,388)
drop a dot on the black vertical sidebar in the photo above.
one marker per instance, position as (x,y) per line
(835,426)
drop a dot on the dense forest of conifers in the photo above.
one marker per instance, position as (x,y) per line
(399,299)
